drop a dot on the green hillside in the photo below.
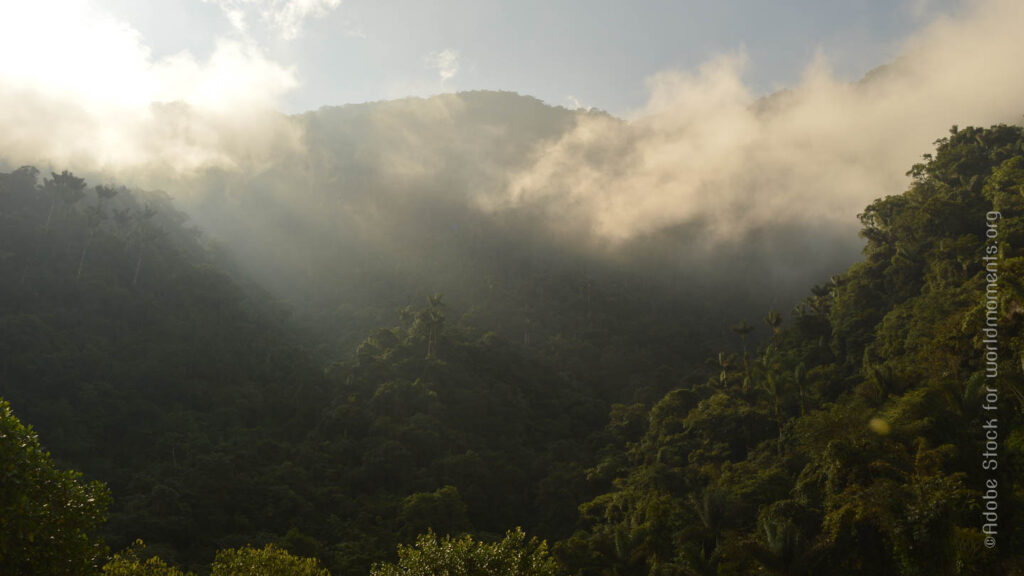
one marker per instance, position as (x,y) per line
(575,402)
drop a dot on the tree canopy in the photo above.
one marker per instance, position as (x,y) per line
(839,438)
(50,519)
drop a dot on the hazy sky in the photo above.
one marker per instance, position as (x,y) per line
(566,52)
(164,94)
(149,92)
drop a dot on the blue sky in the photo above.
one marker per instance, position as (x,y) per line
(569,52)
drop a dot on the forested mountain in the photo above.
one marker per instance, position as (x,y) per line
(852,442)
(128,346)
(388,202)
(548,390)
(145,360)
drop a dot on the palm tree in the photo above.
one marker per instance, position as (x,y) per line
(433,319)
(710,509)
(742,329)
(774,384)
(96,215)
(783,547)
(65,187)
(723,363)
(143,234)
(800,378)
(819,300)
(835,283)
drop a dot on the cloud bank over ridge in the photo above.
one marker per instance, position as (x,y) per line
(80,89)
(705,151)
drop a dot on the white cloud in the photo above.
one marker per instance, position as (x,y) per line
(287,16)
(706,152)
(446,62)
(284,17)
(81,89)
(236,11)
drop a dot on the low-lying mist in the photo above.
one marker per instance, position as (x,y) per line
(709,189)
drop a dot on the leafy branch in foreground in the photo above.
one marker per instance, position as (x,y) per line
(512,556)
(49,519)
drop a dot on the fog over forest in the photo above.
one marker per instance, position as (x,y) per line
(706,182)
(464,330)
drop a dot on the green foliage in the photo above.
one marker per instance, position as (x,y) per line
(266,561)
(130,562)
(441,511)
(512,556)
(176,384)
(49,519)
(845,445)
(148,360)
(842,443)
(245,561)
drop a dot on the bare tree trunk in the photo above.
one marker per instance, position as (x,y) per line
(431,341)
(85,250)
(779,423)
(138,265)
(49,215)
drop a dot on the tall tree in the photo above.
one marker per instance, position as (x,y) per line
(65,188)
(49,519)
